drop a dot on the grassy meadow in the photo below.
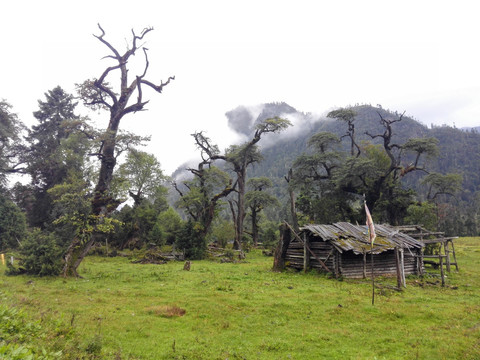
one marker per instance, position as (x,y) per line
(121,310)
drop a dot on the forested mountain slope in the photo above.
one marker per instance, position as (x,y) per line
(459,150)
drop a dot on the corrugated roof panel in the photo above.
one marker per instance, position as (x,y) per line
(347,237)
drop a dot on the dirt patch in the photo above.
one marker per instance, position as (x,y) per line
(167,311)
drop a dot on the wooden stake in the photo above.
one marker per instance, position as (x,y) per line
(447,254)
(402,268)
(373,275)
(397,264)
(454,256)
(306,255)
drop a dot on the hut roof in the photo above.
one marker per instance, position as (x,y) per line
(345,236)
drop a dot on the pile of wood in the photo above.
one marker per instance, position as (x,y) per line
(155,256)
(225,255)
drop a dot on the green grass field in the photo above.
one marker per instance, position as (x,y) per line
(122,310)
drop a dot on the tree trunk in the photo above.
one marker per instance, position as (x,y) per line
(281,250)
(291,193)
(102,205)
(237,245)
(75,254)
(234,217)
(254,227)
(293,210)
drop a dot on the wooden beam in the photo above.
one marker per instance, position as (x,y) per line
(425,234)
(438,240)
(402,268)
(306,256)
(454,256)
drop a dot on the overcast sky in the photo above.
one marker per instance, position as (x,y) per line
(421,57)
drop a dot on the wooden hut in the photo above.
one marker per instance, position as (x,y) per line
(343,249)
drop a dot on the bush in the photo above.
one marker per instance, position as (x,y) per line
(191,240)
(156,235)
(170,223)
(222,232)
(40,254)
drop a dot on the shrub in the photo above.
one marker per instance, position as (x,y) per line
(156,235)
(17,334)
(94,345)
(40,254)
(191,239)
(222,232)
(170,223)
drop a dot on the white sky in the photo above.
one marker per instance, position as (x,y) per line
(421,57)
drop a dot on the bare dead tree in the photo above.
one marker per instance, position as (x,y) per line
(395,152)
(97,94)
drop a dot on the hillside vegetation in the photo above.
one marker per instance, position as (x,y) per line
(459,152)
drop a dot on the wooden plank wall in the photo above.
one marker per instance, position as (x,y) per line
(326,252)
(347,264)
(384,264)
(294,255)
(323,250)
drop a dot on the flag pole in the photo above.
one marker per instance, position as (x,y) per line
(371,238)
(373,276)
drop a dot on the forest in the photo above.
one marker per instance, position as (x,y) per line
(89,188)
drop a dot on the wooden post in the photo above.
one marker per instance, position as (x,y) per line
(454,256)
(306,254)
(397,264)
(336,264)
(373,277)
(421,262)
(417,265)
(402,267)
(447,254)
(441,269)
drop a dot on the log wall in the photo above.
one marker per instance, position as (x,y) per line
(352,266)
(323,250)
(347,264)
